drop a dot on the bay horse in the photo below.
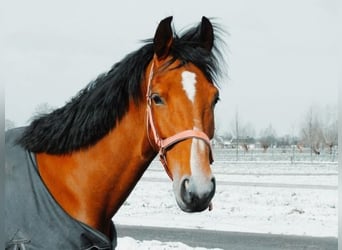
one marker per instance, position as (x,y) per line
(69,171)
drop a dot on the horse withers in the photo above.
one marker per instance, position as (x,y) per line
(69,171)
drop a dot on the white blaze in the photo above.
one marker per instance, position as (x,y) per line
(200,180)
(189,84)
(197,149)
(198,146)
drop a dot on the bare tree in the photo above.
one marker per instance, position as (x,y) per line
(236,132)
(247,130)
(242,132)
(267,137)
(311,132)
(330,127)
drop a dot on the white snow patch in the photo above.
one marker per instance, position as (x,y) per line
(128,243)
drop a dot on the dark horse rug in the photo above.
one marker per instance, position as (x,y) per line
(33,219)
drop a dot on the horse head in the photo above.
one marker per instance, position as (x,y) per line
(181,98)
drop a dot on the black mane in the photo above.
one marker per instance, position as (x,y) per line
(97,108)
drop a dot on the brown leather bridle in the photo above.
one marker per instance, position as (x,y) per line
(164,144)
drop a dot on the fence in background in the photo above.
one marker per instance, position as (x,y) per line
(292,155)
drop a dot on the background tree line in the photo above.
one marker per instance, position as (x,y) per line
(317,130)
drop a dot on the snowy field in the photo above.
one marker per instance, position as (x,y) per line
(261,197)
(128,243)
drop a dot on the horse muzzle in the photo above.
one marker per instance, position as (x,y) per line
(193,195)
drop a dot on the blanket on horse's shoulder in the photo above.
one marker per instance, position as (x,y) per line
(33,219)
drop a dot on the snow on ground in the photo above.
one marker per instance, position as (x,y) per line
(278,210)
(128,243)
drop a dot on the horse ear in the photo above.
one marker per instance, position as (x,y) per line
(163,38)
(207,34)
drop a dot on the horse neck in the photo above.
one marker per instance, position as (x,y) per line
(92,184)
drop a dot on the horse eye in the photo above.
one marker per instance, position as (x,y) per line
(157,99)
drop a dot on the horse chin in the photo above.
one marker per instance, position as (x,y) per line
(194,209)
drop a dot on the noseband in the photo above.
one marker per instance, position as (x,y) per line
(164,144)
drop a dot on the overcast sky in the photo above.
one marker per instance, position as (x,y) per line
(282,55)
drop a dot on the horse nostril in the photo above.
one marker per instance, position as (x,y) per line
(186,192)
(213,181)
(185,185)
(212,193)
